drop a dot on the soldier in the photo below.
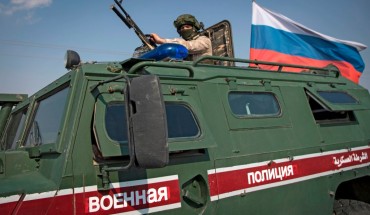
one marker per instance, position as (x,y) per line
(188,28)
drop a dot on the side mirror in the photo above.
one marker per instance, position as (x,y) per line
(149,123)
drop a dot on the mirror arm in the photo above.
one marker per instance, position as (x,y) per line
(131,144)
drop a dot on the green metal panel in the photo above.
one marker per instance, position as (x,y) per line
(306,132)
(11,98)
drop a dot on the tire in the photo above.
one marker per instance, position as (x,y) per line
(350,207)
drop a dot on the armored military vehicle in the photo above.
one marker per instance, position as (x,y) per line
(175,137)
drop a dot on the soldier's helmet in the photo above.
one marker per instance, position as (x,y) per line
(186,19)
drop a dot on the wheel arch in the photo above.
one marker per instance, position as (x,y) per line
(356,189)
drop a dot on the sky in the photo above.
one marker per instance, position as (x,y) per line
(35,34)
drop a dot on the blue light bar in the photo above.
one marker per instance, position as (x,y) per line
(167,50)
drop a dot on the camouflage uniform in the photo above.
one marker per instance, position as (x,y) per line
(197,47)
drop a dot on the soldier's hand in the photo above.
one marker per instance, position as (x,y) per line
(157,39)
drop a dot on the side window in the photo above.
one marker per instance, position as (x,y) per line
(253,104)
(337,97)
(115,122)
(14,128)
(180,122)
(46,123)
(185,122)
(325,113)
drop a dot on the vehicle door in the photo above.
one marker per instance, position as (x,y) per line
(182,186)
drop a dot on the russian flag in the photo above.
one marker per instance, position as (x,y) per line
(279,39)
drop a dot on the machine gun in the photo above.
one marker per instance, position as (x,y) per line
(125,17)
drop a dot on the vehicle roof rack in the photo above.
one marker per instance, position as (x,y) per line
(329,70)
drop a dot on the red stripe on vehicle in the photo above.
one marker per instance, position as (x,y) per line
(231,181)
(140,198)
(132,197)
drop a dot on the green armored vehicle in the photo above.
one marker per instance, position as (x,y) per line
(177,137)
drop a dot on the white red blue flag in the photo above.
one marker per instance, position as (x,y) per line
(277,38)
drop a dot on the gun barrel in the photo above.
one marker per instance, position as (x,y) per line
(121,16)
(122,9)
(131,24)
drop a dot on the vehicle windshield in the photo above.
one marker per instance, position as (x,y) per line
(45,126)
